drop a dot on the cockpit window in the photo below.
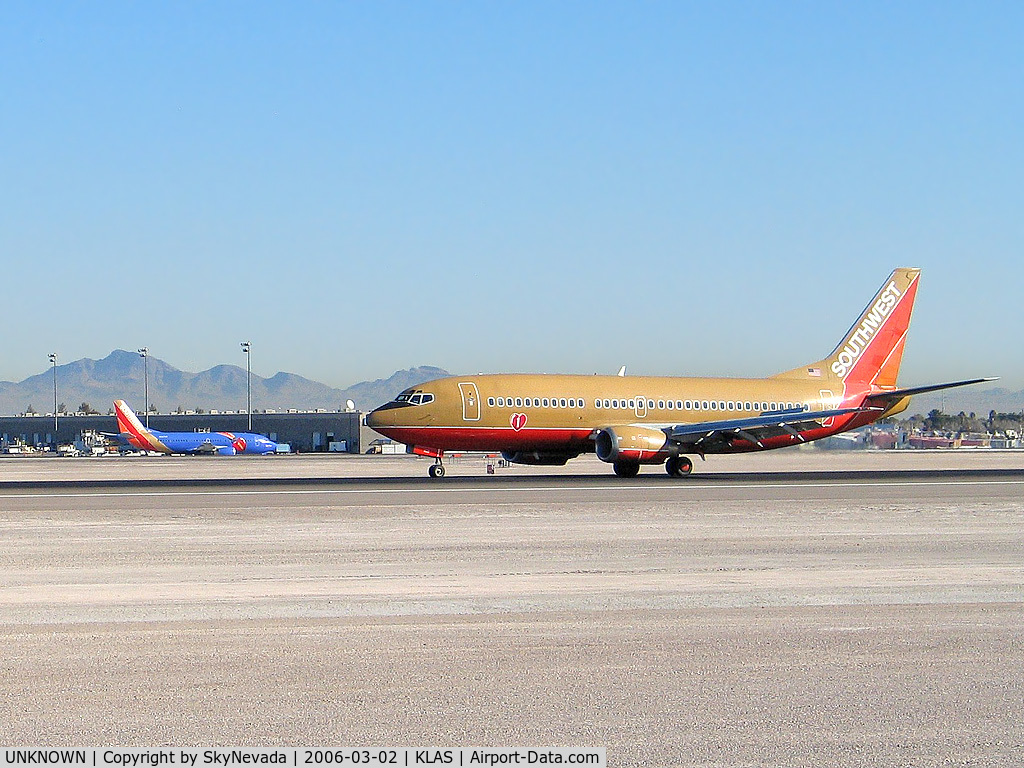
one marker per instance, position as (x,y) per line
(415,398)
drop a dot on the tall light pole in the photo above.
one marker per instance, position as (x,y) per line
(144,354)
(53,364)
(246,346)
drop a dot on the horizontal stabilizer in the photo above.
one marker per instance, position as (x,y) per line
(897,394)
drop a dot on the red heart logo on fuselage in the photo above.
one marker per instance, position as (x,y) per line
(518,421)
(238,443)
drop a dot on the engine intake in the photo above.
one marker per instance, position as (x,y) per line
(641,445)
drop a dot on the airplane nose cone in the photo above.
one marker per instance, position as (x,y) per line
(385,416)
(375,419)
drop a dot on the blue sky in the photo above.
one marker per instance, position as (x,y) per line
(686,188)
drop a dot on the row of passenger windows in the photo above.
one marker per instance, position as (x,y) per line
(701,405)
(535,402)
(633,404)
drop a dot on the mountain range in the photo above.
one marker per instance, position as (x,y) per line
(120,376)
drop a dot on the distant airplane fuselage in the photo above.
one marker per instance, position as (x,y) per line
(135,434)
(632,420)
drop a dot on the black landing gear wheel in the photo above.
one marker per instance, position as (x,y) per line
(678,466)
(626,468)
(437,470)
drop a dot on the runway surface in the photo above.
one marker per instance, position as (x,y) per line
(839,611)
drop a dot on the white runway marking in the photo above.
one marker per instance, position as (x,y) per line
(501,489)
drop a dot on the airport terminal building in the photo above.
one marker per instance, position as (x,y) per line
(304,432)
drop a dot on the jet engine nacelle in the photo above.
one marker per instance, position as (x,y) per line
(538,458)
(642,445)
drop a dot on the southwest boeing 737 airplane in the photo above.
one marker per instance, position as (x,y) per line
(634,420)
(136,435)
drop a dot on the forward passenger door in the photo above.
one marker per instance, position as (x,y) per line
(470,401)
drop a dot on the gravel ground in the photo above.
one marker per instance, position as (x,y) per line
(775,623)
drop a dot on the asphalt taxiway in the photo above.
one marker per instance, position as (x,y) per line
(799,608)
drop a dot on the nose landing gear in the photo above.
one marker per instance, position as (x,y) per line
(437,468)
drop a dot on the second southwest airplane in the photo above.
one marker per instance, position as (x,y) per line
(135,434)
(628,421)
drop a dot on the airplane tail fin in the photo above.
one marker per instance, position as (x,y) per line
(871,352)
(128,424)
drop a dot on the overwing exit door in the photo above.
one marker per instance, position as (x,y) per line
(827,403)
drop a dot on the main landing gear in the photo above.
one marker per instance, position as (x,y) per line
(437,470)
(626,468)
(678,466)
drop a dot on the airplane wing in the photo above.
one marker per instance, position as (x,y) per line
(210,448)
(755,429)
(206,447)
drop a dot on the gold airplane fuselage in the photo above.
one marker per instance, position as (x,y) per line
(561,413)
(633,420)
